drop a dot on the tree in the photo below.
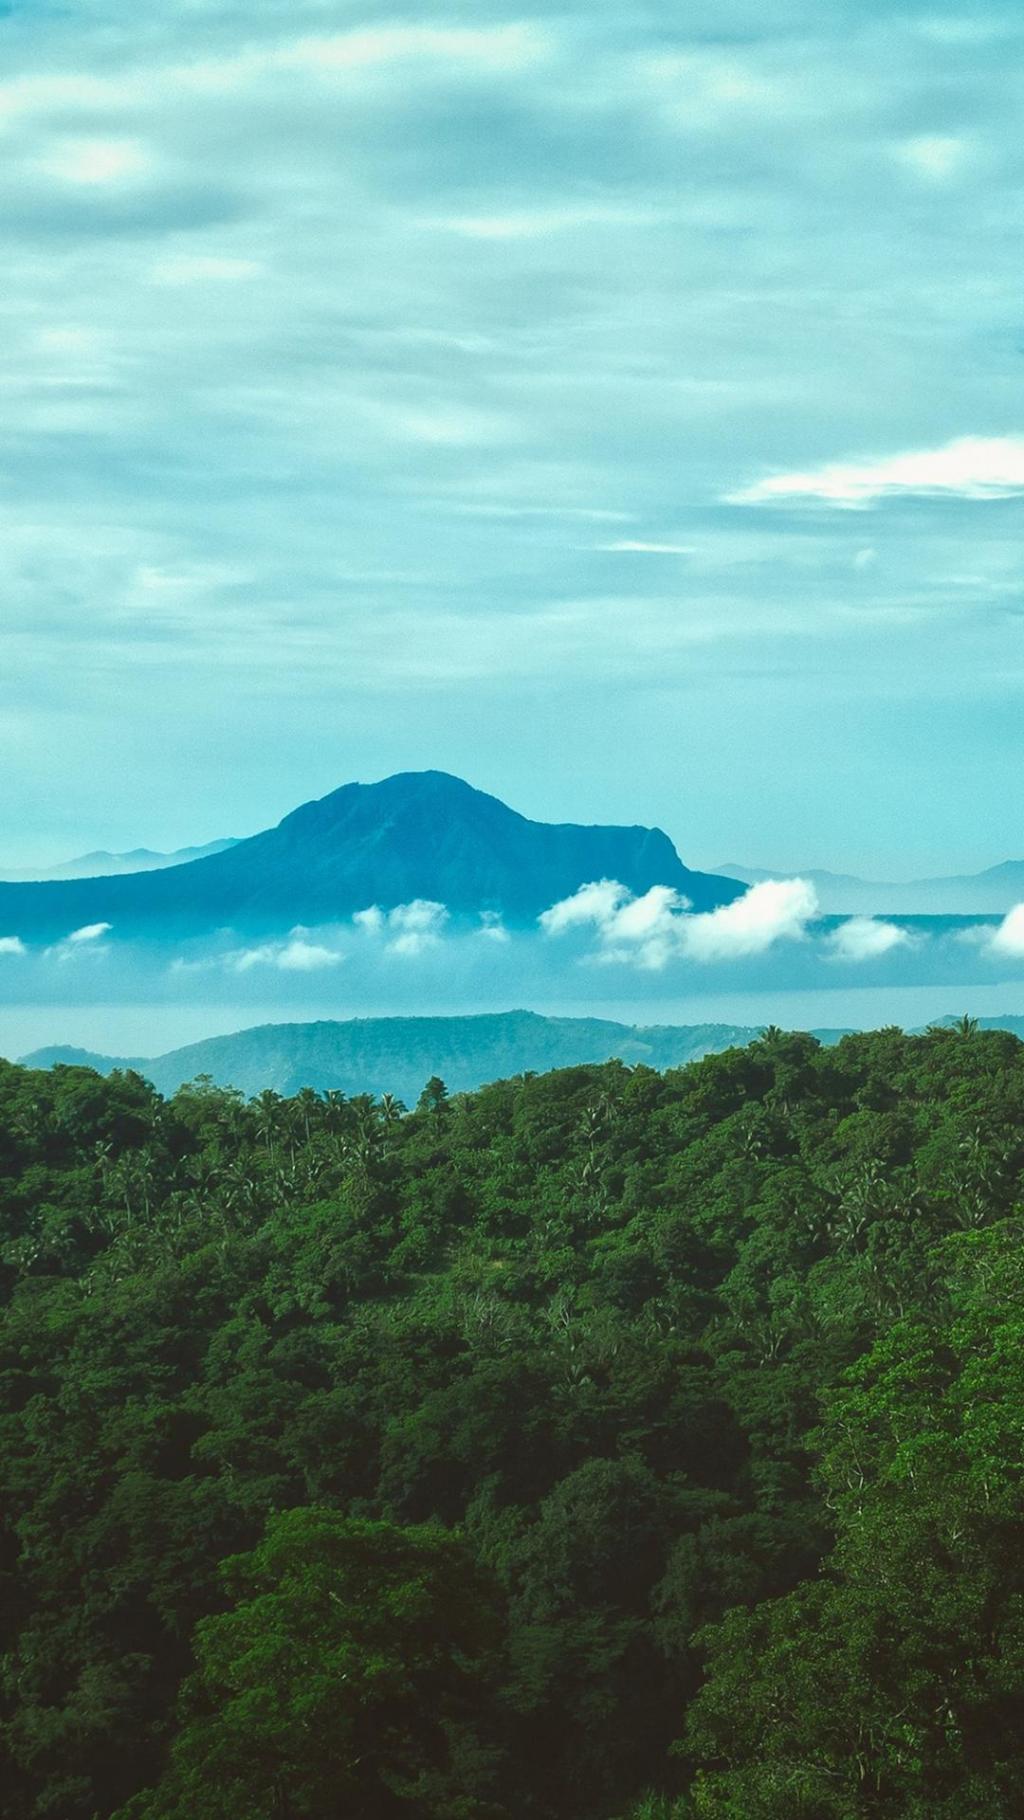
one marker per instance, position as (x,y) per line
(434,1098)
(339,1682)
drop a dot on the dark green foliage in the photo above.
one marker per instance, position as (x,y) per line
(602,1443)
(340,1679)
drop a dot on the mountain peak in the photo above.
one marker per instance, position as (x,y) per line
(416,834)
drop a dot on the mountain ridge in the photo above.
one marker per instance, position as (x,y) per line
(102,864)
(398,1054)
(993,891)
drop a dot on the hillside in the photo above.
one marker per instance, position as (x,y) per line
(398,1054)
(416,835)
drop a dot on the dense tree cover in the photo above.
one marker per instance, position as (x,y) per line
(603,1443)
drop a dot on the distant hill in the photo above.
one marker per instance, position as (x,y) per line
(420,834)
(111,865)
(398,1054)
(989,893)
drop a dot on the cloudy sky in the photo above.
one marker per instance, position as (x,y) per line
(618,405)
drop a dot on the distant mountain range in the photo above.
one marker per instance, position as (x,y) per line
(420,834)
(989,893)
(111,865)
(399,1054)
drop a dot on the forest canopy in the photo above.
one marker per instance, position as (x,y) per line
(600,1445)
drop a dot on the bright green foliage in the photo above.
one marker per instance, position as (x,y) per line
(600,1444)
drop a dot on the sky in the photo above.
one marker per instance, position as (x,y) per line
(616,405)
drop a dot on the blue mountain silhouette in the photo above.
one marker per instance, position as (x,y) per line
(420,834)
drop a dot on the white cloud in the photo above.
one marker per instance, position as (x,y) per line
(864,938)
(970,467)
(12,944)
(372,920)
(296,955)
(593,904)
(651,930)
(641,930)
(417,926)
(409,928)
(1008,939)
(775,910)
(89,932)
(646,930)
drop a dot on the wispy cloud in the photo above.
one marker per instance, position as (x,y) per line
(12,944)
(971,467)
(88,940)
(540,224)
(295,955)
(634,546)
(89,932)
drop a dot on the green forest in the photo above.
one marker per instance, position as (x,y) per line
(600,1445)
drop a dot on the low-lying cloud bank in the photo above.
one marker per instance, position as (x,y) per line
(407,930)
(419,952)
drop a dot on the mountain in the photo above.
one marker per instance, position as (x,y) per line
(110,865)
(398,1054)
(989,893)
(420,834)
